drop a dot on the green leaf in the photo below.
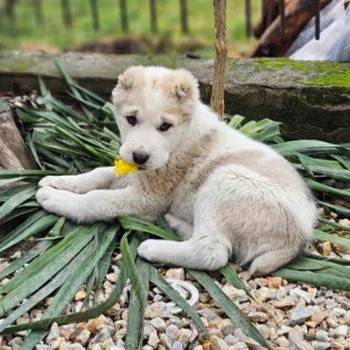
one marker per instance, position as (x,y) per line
(317,186)
(19,198)
(230,309)
(48,264)
(303,263)
(134,223)
(308,147)
(33,225)
(235,121)
(72,285)
(318,278)
(232,277)
(7,193)
(327,258)
(333,238)
(334,224)
(78,316)
(51,286)
(337,208)
(17,213)
(134,336)
(56,230)
(8,174)
(33,278)
(133,273)
(104,265)
(25,258)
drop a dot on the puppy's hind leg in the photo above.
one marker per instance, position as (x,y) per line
(271,261)
(201,252)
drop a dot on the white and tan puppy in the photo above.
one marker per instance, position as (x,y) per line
(225,194)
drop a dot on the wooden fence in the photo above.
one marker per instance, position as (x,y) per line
(68,20)
(268,14)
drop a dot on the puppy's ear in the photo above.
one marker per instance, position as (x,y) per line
(183,86)
(127,81)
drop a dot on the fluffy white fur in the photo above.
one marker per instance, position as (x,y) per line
(225,194)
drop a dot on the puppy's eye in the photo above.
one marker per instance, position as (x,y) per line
(131,119)
(165,126)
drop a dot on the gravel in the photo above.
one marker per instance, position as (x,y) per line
(290,315)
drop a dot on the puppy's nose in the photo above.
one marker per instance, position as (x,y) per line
(140,157)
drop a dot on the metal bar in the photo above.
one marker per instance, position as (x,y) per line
(67,16)
(263,13)
(270,4)
(94,14)
(153,15)
(184,16)
(281,8)
(317,19)
(124,16)
(248,18)
(38,9)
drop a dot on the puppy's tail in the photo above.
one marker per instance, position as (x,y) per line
(270,261)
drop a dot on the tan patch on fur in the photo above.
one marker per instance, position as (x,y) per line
(181,84)
(129,85)
(177,110)
(166,179)
(278,170)
(179,88)
(182,88)
(225,159)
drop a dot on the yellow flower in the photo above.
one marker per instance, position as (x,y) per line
(124,168)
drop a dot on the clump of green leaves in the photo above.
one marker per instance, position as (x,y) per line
(64,256)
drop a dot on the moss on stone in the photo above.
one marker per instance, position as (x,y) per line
(281,63)
(340,78)
(319,73)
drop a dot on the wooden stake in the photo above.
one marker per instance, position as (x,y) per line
(217,97)
(248,18)
(95,15)
(38,9)
(184,17)
(153,17)
(67,16)
(11,15)
(124,16)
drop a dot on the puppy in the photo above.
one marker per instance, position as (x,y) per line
(225,194)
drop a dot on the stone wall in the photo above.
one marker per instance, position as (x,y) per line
(312,99)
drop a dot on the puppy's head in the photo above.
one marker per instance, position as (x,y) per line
(154,110)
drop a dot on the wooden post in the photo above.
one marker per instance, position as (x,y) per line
(123,16)
(11,15)
(217,101)
(248,17)
(184,16)
(94,14)
(153,16)
(38,9)
(67,16)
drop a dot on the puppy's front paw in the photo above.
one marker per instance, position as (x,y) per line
(148,250)
(67,183)
(59,202)
(51,200)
